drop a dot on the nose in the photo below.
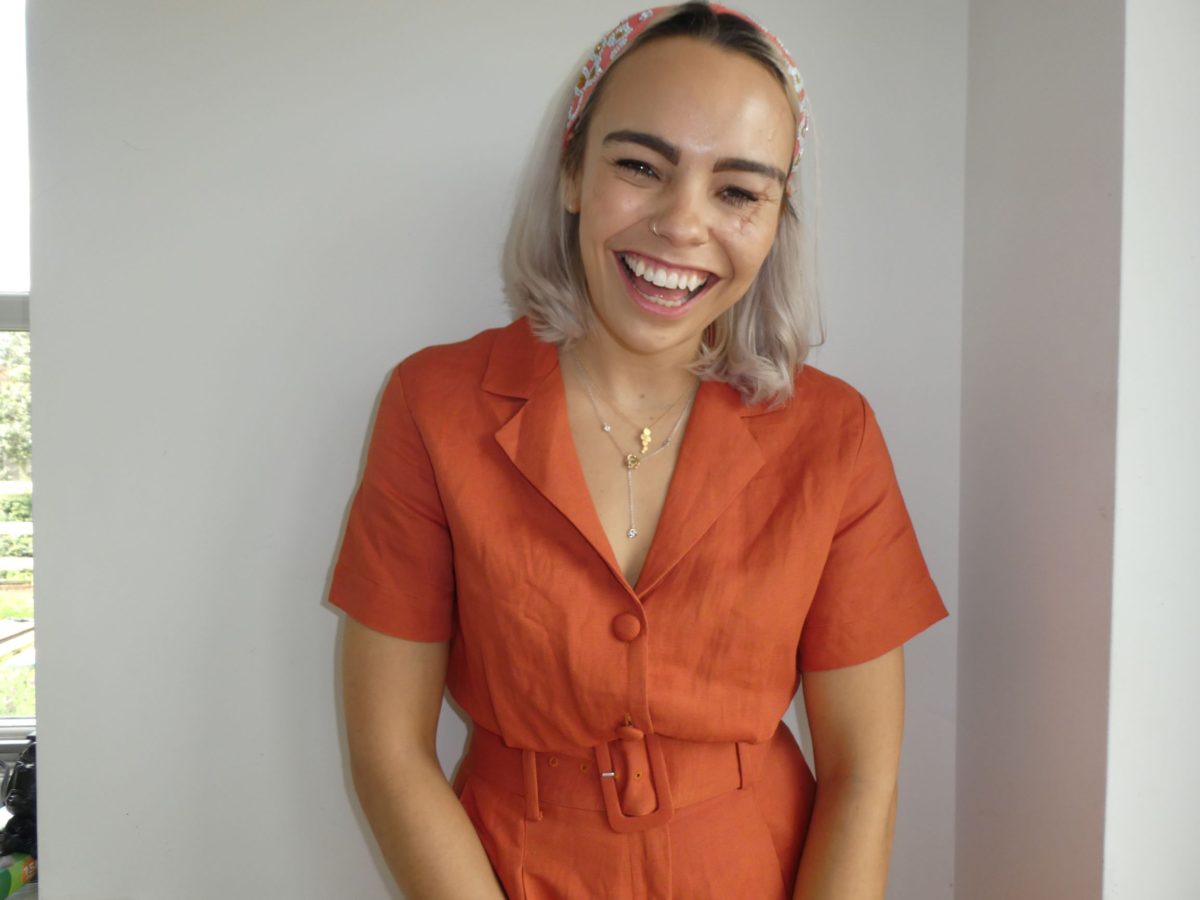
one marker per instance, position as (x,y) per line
(682,215)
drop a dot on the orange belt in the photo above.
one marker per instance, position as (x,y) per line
(638,780)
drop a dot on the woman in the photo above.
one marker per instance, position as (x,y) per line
(619,528)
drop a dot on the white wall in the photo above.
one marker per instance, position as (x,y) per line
(243,215)
(1152,828)
(1043,232)
(889,95)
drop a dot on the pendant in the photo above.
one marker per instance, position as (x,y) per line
(631,533)
(632,462)
(645,438)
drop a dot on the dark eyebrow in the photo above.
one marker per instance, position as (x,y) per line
(653,142)
(670,152)
(749,165)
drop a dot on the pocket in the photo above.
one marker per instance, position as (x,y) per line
(499,821)
(722,847)
(783,794)
(785,868)
(573,854)
(466,796)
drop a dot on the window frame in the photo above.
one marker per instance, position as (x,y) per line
(14,312)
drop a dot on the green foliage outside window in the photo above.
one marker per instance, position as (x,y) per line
(16,545)
(15,442)
(16,508)
(16,583)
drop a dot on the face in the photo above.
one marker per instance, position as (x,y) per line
(680,191)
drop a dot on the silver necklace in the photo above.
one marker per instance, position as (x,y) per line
(631,460)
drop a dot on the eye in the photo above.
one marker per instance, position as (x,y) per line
(637,167)
(736,196)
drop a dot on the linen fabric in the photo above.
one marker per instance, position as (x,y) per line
(784,546)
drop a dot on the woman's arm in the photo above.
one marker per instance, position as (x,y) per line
(393,696)
(856,717)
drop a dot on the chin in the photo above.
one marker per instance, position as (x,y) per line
(648,337)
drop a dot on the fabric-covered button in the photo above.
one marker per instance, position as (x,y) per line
(626,626)
(629,733)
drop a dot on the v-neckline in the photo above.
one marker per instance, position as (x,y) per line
(537,439)
(680,439)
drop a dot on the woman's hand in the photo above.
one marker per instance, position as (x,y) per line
(856,717)
(392,690)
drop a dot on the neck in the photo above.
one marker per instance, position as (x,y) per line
(639,383)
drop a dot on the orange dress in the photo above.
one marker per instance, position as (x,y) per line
(627,741)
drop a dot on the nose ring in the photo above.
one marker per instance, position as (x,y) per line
(654,229)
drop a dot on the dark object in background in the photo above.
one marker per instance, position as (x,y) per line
(19,790)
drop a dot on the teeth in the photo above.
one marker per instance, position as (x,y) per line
(664,277)
(673,304)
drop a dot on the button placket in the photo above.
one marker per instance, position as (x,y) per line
(634,798)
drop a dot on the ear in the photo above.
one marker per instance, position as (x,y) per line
(569,190)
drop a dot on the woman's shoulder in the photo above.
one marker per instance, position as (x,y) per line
(443,383)
(815,392)
(820,386)
(441,359)
(440,369)
(826,417)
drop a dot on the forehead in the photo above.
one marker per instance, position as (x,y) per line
(700,97)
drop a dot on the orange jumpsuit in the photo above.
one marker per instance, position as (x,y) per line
(627,741)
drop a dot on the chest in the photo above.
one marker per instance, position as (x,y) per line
(628,485)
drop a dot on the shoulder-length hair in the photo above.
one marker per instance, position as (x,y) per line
(758,344)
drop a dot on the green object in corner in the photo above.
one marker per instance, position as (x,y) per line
(16,871)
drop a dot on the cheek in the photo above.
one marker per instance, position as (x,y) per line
(612,204)
(747,243)
(613,212)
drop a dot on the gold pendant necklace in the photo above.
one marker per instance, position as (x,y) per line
(631,460)
(646,434)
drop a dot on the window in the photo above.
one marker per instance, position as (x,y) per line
(16,531)
(16,526)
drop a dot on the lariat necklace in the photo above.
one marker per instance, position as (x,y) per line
(645,433)
(631,460)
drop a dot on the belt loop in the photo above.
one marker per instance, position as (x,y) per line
(751,760)
(533,809)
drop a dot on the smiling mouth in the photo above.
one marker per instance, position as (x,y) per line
(663,286)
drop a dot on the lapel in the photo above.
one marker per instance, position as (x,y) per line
(718,457)
(538,437)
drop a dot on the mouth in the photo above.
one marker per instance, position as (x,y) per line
(661,289)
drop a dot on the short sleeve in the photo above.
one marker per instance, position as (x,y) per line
(875,591)
(394,572)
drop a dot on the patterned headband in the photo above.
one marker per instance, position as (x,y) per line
(613,44)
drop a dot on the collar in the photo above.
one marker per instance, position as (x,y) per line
(717,459)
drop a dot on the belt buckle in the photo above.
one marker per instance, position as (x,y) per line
(617,819)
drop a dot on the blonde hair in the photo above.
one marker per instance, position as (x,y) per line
(758,344)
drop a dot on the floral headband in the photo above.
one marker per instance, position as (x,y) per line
(613,44)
